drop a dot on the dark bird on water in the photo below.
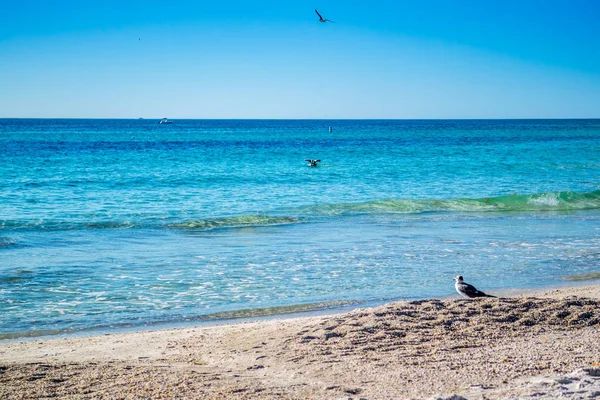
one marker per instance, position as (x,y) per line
(466,290)
(321,19)
(312,163)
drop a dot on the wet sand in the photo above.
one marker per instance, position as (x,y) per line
(543,345)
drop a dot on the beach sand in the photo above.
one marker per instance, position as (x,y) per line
(542,345)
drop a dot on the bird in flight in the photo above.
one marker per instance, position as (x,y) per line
(321,19)
(313,163)
(466,290)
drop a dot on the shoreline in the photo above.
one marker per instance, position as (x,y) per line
(313,310)
(405,349)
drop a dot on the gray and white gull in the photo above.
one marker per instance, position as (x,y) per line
(466,290)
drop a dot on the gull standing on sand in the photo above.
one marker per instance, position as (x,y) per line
(466,290)
(321,19)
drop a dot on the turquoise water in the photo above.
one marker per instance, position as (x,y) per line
(107,224)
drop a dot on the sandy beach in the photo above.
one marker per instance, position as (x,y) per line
(542,345)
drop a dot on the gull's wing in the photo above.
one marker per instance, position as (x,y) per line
(318,14)
(308,160)
(318,160)
(469,290)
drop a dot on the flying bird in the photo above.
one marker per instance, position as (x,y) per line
(321,19)
(466,290)
(313,163)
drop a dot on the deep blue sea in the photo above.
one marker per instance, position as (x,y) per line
(112,224)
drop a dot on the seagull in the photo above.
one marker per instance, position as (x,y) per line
(313,163)
(466,290)
(321,19)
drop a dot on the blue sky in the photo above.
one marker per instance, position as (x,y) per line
(273,59)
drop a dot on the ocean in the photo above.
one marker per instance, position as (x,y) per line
(128,224)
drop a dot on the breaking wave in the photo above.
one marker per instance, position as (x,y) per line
(563,201)
(551,201)
(235,222)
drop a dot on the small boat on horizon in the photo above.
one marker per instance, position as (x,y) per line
(164,121)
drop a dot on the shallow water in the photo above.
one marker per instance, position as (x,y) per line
(115,223)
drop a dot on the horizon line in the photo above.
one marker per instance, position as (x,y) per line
(313,119)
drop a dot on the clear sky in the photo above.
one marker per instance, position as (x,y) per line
(273,59)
